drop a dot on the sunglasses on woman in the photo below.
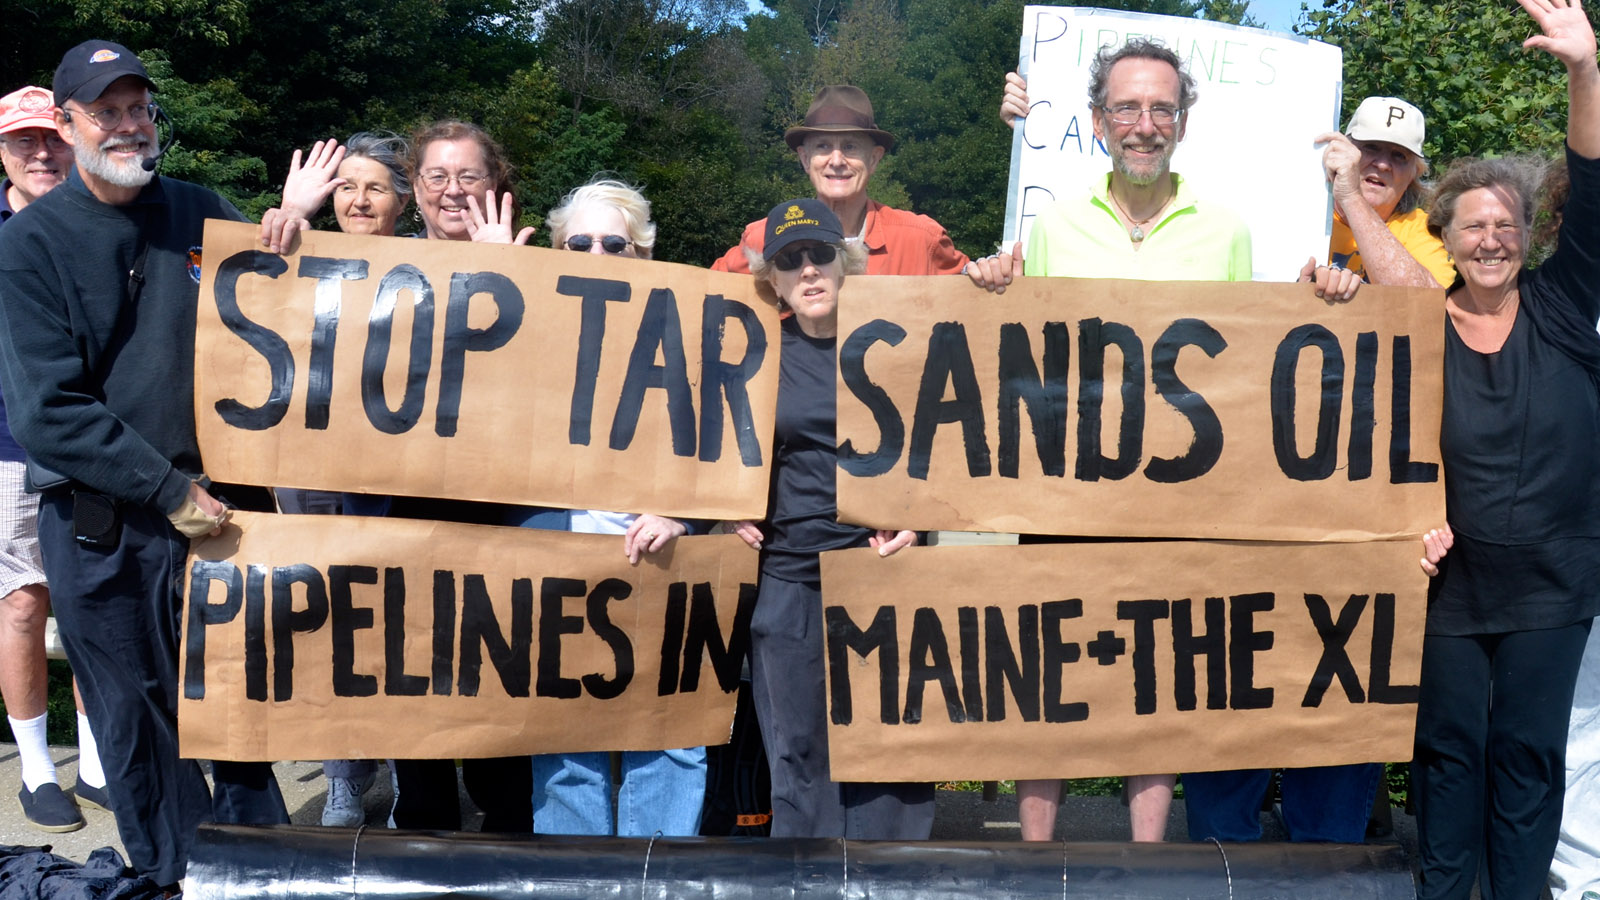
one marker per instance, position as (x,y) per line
(820,254)
(611,243)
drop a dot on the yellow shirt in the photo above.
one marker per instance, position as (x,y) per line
(1411,229)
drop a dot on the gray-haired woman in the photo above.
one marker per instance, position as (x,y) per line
(370,185)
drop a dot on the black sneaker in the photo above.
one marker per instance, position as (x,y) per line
(48,809)
(91,796)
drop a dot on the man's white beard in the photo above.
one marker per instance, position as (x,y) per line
(98,162)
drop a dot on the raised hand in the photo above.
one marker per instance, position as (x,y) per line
(1567,36)
(307,187)
(491,226)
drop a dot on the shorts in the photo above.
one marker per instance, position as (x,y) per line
(20,563)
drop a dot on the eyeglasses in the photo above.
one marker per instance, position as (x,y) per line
(611,243)
(438,180)
(1128,114)
(820,254)
(28,145)
(110,118)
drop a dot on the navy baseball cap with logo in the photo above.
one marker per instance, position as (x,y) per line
(807,219)
(89,68)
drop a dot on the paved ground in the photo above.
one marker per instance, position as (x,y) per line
(962,815)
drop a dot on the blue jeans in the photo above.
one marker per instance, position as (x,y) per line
(1321,803)
(662,790)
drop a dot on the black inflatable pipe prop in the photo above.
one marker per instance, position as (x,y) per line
(243,863)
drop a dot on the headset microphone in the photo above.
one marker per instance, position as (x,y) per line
(150,163)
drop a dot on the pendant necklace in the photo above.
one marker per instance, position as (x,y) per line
(1137,234)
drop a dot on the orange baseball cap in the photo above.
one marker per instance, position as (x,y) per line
(29,107)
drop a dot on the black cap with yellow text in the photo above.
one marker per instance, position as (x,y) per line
(806,219)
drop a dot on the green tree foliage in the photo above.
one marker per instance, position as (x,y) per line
(688,98)
(210,152)
(1462,64)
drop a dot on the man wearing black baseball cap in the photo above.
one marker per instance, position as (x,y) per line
(97,351)
(89,68)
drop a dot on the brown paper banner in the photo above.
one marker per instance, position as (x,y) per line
(1136,408)
(332,637)
(483,372)
(1101,659)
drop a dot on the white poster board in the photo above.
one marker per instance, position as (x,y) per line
(1263,99)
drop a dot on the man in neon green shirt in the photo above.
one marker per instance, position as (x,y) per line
(1140,221)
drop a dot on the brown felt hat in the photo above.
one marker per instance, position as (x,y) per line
(836,108)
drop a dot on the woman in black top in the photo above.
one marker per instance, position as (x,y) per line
(805,260)
(1510,606)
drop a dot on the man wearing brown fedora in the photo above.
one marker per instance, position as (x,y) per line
(840,146)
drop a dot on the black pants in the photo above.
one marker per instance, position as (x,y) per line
(789,683)
(426,796)
(119,614)
(1490,766)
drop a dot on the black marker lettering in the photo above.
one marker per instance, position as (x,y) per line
(1243,644)
(202,612)
(598,686)
(929,660)
(1324,456)
(1046,396)
(346,619)
(1206,448)
(480,631)
(328,272)
(272,347)
(596,293)
(396,683)
(658,328)
(853,372)
(460,337)
(949,362)
(719,379)
(843,638)
(380,333)
(1094,337)
(287,621)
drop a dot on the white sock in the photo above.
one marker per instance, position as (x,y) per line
(89,771)
(37,766)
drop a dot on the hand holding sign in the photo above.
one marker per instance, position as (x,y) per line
(649,534)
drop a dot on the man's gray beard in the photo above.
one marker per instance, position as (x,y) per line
(98,163)
(1139,179)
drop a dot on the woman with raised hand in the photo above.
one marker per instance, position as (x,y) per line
(369,180)
(1516,569)
(457,171)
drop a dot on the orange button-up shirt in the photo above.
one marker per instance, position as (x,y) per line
(898,243)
